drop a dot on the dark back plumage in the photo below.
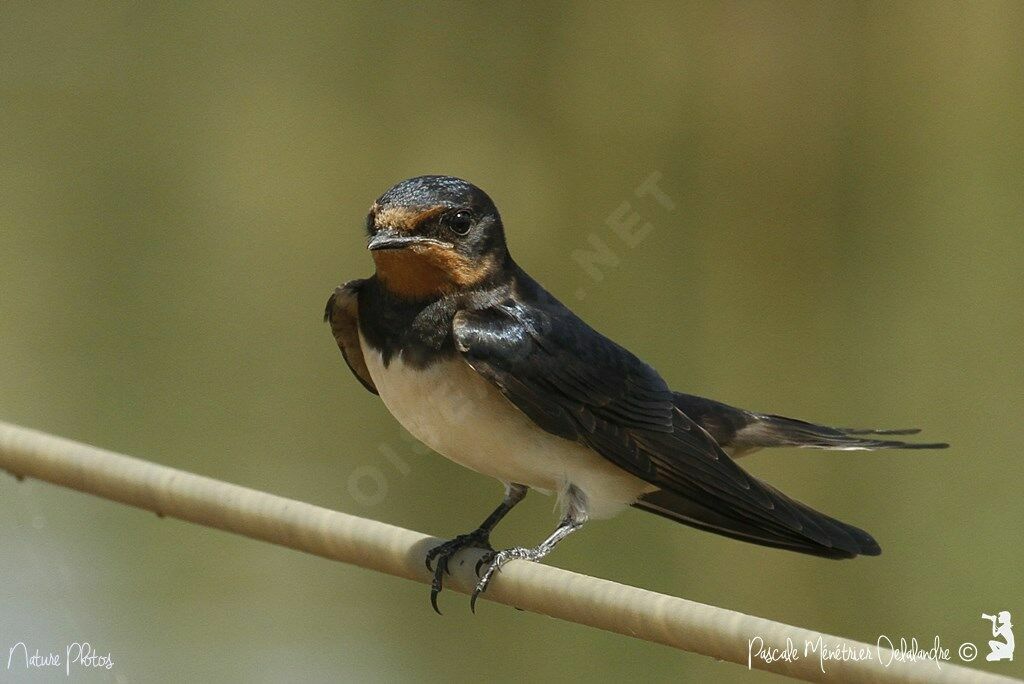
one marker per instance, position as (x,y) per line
(577,384)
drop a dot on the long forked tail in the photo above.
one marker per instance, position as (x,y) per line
(770,430)
(739,432)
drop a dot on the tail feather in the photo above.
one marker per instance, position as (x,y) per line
(739,432)
(772,430)
(863,431)
(780,522)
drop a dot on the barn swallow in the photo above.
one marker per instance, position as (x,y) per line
(480,363)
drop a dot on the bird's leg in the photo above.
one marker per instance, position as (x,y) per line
(479,538)
(575,517)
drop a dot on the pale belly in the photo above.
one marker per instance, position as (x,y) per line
(460,415)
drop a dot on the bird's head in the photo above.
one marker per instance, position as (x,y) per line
(435,235)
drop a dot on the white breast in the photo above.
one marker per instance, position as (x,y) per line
(459,414)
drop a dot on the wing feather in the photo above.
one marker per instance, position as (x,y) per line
(342,312)
(577,384)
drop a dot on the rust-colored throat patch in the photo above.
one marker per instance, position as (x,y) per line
(429,270)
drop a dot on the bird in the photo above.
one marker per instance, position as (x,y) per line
(478,361)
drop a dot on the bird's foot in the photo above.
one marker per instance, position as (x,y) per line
(443,553)
(495,559)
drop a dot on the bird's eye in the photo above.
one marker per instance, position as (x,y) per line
(459,222)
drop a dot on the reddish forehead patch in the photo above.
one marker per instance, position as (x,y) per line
(405,219)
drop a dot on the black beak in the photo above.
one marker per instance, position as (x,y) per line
(391,239)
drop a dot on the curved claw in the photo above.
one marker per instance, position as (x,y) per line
(438,550)
(442,553)
(437,585)
(433,600)
(441,568)
(484,559)
(496,560)
(482,585)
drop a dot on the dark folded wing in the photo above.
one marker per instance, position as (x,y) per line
(342,313)
(575,383)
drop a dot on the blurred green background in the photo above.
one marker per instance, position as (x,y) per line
(182,185)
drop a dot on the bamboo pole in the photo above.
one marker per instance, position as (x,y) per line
(676,622)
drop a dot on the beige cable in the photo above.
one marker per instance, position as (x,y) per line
(686,625)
